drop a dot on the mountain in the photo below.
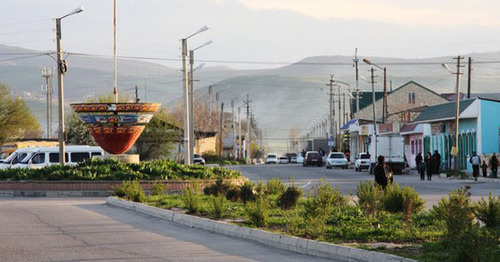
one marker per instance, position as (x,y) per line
(284,97)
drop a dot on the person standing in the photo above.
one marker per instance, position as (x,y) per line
(484,167)
(421,170)
(383,173)
(437,162)
(494,165)
(475,160)
(429,165)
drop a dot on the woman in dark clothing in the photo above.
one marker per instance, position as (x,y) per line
(420,166)
(429,165)
(494,165)
(383,173)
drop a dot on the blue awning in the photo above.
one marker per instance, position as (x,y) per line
(350,122)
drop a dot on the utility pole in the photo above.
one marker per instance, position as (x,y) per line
(457,108)
(234,129)
(247,137)
(343,110)
(115,90)
(339,143)
(187,109)
(385,112)
(240,153)
(48,73)
(191,105)
(136,94)
(356,60)
(221,146)
(469,77)
(374,115)
(330,132)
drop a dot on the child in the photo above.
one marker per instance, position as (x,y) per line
(484,166)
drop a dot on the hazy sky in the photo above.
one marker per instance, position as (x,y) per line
(258,30)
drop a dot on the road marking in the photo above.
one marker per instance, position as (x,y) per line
(308,183)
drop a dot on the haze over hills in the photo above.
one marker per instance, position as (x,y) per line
(282,98)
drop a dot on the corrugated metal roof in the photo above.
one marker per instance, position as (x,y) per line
(442,111)
(408,127)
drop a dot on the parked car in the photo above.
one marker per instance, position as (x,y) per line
(362,161)
(293,160)
(283,160)
(300,158)
(16,157)
(312,158)
(272,158)
(197,159)
(47,156)
(336,159)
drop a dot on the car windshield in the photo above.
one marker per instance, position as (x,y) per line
(197,156)
(365,156)
(24,158)
(12,156)
(271,156)
(283,157)
(337,156)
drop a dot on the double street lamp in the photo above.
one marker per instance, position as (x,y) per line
(62,68)
(188,108)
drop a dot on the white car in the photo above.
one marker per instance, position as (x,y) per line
(362,161)
(336,159)
(272,158)
(16,157)
(283,160)
(293,160)
(300,158)
(198,159)
(46,156)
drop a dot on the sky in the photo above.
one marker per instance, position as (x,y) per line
(245,31)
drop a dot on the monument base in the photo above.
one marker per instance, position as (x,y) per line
(125,158)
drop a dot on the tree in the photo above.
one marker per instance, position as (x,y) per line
(16,119)
(77,132)
(158,138)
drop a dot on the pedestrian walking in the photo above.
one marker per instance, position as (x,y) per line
(429,165)
(494,165)
(383,173)
(484,168)
(475,160)
(436,162)
(419,160)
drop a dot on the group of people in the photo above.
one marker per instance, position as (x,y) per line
(475,160)
(430,165)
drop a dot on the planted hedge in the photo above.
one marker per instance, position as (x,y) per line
(112,170)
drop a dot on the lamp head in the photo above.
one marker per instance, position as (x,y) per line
(76,11)
(445,66)
(367,61)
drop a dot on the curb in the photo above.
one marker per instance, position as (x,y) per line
(290,243)
(490,180)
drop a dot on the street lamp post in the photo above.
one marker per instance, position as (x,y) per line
(61,70)
(385,112)
(188,139)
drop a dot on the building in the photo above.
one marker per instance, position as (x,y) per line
(404,104)
(479,129)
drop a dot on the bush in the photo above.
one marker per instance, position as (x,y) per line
(290,197)
(489,212)
(233,193)
(219,206)
(158,188)
(258,211)
(192,199)
(293,220)
(130,189)
(406,200)
(247,192)
(218,188)
(275,187)
(369,197)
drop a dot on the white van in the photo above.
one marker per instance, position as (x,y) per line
(46,156)
(17,156)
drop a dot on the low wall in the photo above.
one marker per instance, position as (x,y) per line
(90,188)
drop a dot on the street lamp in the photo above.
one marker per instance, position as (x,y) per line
(62,68)
(384,101)
(188,109)
(454,151)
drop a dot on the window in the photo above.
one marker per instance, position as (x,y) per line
(38,158)
(54,157)
(79,157)
(93,154)
(413,147)
(411,98)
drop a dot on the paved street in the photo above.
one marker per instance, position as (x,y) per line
(347,180)
(44,229)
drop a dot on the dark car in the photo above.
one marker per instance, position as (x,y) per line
(313,158)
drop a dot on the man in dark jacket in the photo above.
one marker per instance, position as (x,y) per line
(383,173)
(436,162)
(494,165)
(420,166)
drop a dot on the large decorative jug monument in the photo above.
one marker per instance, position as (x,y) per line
(115,126)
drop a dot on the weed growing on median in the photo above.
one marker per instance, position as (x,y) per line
(192,199)
(218,206)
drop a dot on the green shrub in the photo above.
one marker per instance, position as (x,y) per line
(219,187)
(158,188)
(247,192)
(258,211)
(405,200)
(293,220)
(233,193)
(290,197)
(489,212)
(218,206)
(369,197)
(130,189)
(275,186)
(192,199)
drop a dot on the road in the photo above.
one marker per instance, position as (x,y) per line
(79,229)
(348,179)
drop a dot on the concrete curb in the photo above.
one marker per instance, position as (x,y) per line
(290,243)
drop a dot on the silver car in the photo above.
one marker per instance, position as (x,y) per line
(336,159)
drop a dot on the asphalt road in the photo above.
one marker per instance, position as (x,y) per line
(44,229)
(348,179)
